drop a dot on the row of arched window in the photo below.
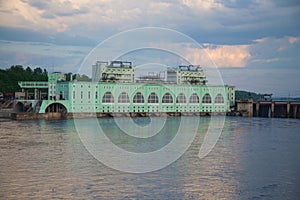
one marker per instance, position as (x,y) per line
(166,99)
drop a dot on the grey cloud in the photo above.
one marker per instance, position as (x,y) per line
(254,3)
(53,9)
(42,5)
(48,15)
(238,3)
(25,35)
(275,53)
(240,22)
(67,11)
(19,34)
(51,57)
(242,26)
(286,3)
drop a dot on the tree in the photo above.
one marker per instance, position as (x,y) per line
(16,69)
(28,70)
(45,73)
(83,77)
(9,77)
(68,76)
(38,71)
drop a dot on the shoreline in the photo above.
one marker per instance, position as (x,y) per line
(6,114)
(58,115)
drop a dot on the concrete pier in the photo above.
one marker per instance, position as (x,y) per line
(245,107)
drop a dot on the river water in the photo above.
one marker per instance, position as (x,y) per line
(254,158)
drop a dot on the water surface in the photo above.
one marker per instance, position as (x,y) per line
(255,158)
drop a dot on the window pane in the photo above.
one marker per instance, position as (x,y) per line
(153,98)
(108,98)
(138,98)
(123,98)
(181,98)
(194,98)
(167,98)
(206,98)
(219,98)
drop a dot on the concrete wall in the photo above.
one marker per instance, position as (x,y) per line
(245,107)
(5,113)
(30,116)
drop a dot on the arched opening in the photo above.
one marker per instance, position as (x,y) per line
(206,99)
(194,98)
(153,98)
(167,98)
(19,107)
(56,107)
(219,99)
(123,98)
(108,98)
(181,98)
(138,98)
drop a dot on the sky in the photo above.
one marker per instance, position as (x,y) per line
(254,44)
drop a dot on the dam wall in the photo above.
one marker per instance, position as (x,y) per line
(270,108)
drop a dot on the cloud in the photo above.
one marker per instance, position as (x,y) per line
(262,53)
(25,35)
(293,40)
(221,55)
(66,58)
(59,8)
(275,52)
(29,17)
(242,23)
(42,5)
(230,55)
(219,22)
(202,4)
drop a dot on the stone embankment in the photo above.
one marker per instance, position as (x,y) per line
(6,113)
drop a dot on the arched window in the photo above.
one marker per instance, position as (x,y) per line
(167,98)
(219,99)
(108,98)
(206,98)
(181,98)
(153,98)
(138,98)
(194,98)
(123,98)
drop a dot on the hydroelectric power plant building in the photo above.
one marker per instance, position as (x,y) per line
(115,90)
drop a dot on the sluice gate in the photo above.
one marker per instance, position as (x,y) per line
(283,109)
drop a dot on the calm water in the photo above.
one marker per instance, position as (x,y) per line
(255,158)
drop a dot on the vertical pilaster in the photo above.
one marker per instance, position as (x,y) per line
(257,109)
(25,92)
(288,108)
(251,108)
(273,109)
(36,93)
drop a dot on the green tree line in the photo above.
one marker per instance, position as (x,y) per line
(9,77)
(239,94)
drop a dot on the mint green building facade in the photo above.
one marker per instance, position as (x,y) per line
(137,97)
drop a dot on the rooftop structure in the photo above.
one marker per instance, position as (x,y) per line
(152,77)
(116,71)
(187,74)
